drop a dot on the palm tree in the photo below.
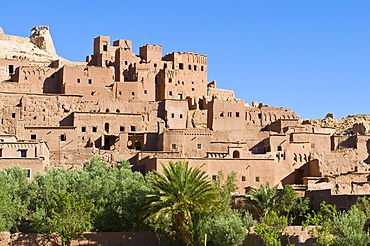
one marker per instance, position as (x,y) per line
(263,200)
(180,194)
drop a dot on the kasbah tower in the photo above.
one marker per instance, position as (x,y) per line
(151,108)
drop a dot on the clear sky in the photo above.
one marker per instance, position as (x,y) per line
(310,56)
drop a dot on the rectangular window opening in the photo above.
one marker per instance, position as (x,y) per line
(83,129)
(33,136)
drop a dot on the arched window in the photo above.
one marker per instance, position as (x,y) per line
(236,154)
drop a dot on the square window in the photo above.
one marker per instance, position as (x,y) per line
(133,128)
(170,93)
(83,129)
(181,66)
(121,128)
(214,177)
(23,153)
(174,146)
(243,178)
(94,129)
(236,114)
(155,64)
(199,146)
(257,179)
(33,136)
(279,148)
(63,137)
(13,115)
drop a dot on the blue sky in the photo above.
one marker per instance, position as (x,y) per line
(310,56)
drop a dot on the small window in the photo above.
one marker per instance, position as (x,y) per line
(1,152)
(199,146)
(170,93)
(259,116)
(243,178)
(117,110)
(133,128)
(229,114)
(105,47)
(170,80)
(126,62)
(257,179)
(33,136)
(181,66)
(174,146)
(13,115)
(83,129)
(222,114)
(92,93)
(78,80)
(63,137)
(23,153)
(165,65)
(201,68)
(236,114)
(195,67)
(28,173)
(180,116)
(214,177)
(172,115)
(121,128)
(133,93)
(106,127)
(94,129)
(11,69)
(155,64)
(189,67)
(279,148)
(107,110)
(145,92)
(192,89)
(90,81)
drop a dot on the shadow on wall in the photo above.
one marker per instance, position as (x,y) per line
(367,160)
(309,169)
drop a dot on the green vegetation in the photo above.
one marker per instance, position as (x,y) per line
(181,203)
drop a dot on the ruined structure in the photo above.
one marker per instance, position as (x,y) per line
(152,108)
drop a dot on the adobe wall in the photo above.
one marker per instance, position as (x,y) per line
(91,238)
(250,172)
